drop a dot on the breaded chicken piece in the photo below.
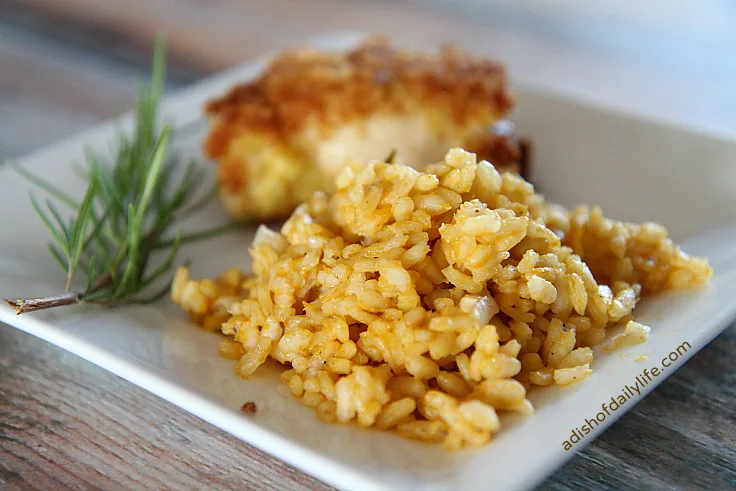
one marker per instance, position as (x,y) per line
(286,134)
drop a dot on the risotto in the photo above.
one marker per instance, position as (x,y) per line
(427,303)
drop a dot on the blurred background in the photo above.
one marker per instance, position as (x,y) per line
(66,65)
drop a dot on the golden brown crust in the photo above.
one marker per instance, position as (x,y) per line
(304,86)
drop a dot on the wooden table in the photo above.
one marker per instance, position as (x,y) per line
(66,424)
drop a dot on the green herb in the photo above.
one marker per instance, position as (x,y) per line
(391,157)
(130,210)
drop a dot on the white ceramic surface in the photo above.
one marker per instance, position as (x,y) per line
(637,170)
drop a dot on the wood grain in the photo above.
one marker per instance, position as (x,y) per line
(66,424)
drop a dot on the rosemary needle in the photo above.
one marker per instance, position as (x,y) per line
(131,209)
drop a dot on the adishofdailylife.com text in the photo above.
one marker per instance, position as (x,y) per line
(626,394)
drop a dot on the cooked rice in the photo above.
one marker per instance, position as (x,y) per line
(634,334)
(426,303)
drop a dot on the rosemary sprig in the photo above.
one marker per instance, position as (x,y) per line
(130,210)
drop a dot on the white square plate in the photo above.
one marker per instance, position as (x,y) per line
(635,169)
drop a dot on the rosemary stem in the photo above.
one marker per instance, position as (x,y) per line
(69,278)
(23,305)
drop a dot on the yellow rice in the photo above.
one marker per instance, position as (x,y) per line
(428,302)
